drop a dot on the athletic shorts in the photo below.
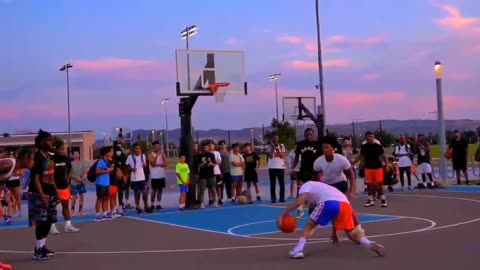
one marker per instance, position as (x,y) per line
(342,186)
(139,186)
(374,176)
(336,212)
(219,179)
(236,178)
(424,168)
(183,188)
(112,190)
(78,189)
(64,194)
(251,177)
(37,214)
(306,176)
(102,192)
(158,183)
(13,183)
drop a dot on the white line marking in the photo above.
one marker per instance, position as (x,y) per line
(432,225)
(260,246)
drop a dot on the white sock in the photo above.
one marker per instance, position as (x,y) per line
(370,197)
(382,197)
(38,244)
(365,242)
(43,241)
(182,205)
(300,245)
(68,223)
(105,213)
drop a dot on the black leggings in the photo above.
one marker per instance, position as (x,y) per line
(42,230)
(275,174)
(406,170)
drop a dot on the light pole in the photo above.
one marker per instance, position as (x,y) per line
(354,136)
(320,72)
(441,121)
(275,77)
(252,139)
(66,67)
(186,34)
(165,102)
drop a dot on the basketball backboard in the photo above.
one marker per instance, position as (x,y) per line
(197,70)
(291,107)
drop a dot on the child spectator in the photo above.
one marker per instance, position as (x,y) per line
(183,180)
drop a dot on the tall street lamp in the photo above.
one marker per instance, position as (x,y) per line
(320,71)
(354,136)
(66,67)
(275,77)
(186,34)
(441,121)
(165,102)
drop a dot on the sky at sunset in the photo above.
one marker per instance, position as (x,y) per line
(378,57)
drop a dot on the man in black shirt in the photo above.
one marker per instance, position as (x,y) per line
(424,168)
(61,175)
(459,148)
(309,150)
(375,164)
(42,201)
(118,180)
(206,175)
(252,161)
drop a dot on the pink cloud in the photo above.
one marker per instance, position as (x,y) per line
(370,77)
(343,41)
(300,64)
(231,41)
(111,64)
(456,21)
(290,39)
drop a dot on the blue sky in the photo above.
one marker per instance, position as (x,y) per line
(378,58)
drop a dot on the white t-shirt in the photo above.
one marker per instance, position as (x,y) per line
(319,192)
(8,175)
(291,160)
(404,161)
(374,141)
(218,160)
(139,174)
(157,172)
(332,171)
(276,162)
(236,171)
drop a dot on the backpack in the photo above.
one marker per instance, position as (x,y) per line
(407,149)
(92,172)
(142,158)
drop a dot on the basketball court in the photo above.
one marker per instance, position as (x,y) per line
(427,229)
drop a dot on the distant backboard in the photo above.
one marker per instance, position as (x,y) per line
(291,108)
(198,69)
(121,133)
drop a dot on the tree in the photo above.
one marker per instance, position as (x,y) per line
(285,131)
(385,137)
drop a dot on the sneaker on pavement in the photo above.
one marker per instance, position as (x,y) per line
(71,229)
(54,230)
(39,254)
(379,249)
(48,252)
(99,218)
(369,203)
(297,255)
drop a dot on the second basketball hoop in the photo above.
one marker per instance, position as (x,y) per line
(219,91)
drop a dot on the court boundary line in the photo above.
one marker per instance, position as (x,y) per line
(250,246)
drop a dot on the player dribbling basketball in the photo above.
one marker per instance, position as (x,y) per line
(331,206)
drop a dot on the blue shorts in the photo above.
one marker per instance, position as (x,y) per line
(78,189)
(236,178)
(339,213)
(183,188)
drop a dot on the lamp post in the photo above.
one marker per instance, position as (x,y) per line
(441,121)
(252,139)
(186,34)
(320,72)
(275,77)
(165,102)
(66,67)
(354,136)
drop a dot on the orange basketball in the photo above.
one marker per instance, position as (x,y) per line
(448,154)
(289,224)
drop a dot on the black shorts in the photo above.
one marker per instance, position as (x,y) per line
(306,176)
(139,186)
(251,177)
(226,177)
(342,186)
(102,192)
(13,183)
(158,183)
(219,179)
(122,185)
(459,164)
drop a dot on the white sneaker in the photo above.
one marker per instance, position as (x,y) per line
(71,229)
(298,255)
(377,248)
(54,230)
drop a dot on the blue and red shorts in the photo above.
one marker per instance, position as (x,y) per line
(183,188)
(339,213)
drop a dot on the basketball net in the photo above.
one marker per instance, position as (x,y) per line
(219,91)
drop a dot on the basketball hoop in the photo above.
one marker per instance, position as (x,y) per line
(218,92)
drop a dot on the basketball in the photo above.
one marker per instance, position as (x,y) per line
(289,224)
(448,154)
(242,199)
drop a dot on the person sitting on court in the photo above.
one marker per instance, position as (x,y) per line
(331,206)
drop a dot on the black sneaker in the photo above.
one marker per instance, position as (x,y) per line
(158,207)
(139,211)
(259,198)
(39,255)
(149,210)
(369,203)
(384,203)
(48,252)
(220,202)
(210,202)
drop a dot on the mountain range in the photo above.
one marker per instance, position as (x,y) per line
(395,127)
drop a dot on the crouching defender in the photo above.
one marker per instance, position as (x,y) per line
(331,205)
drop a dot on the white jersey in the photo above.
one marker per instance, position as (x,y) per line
(157,172)
(8,176)
(332,172)
(138,163)
(218,160)
(291,160)
(319,192)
